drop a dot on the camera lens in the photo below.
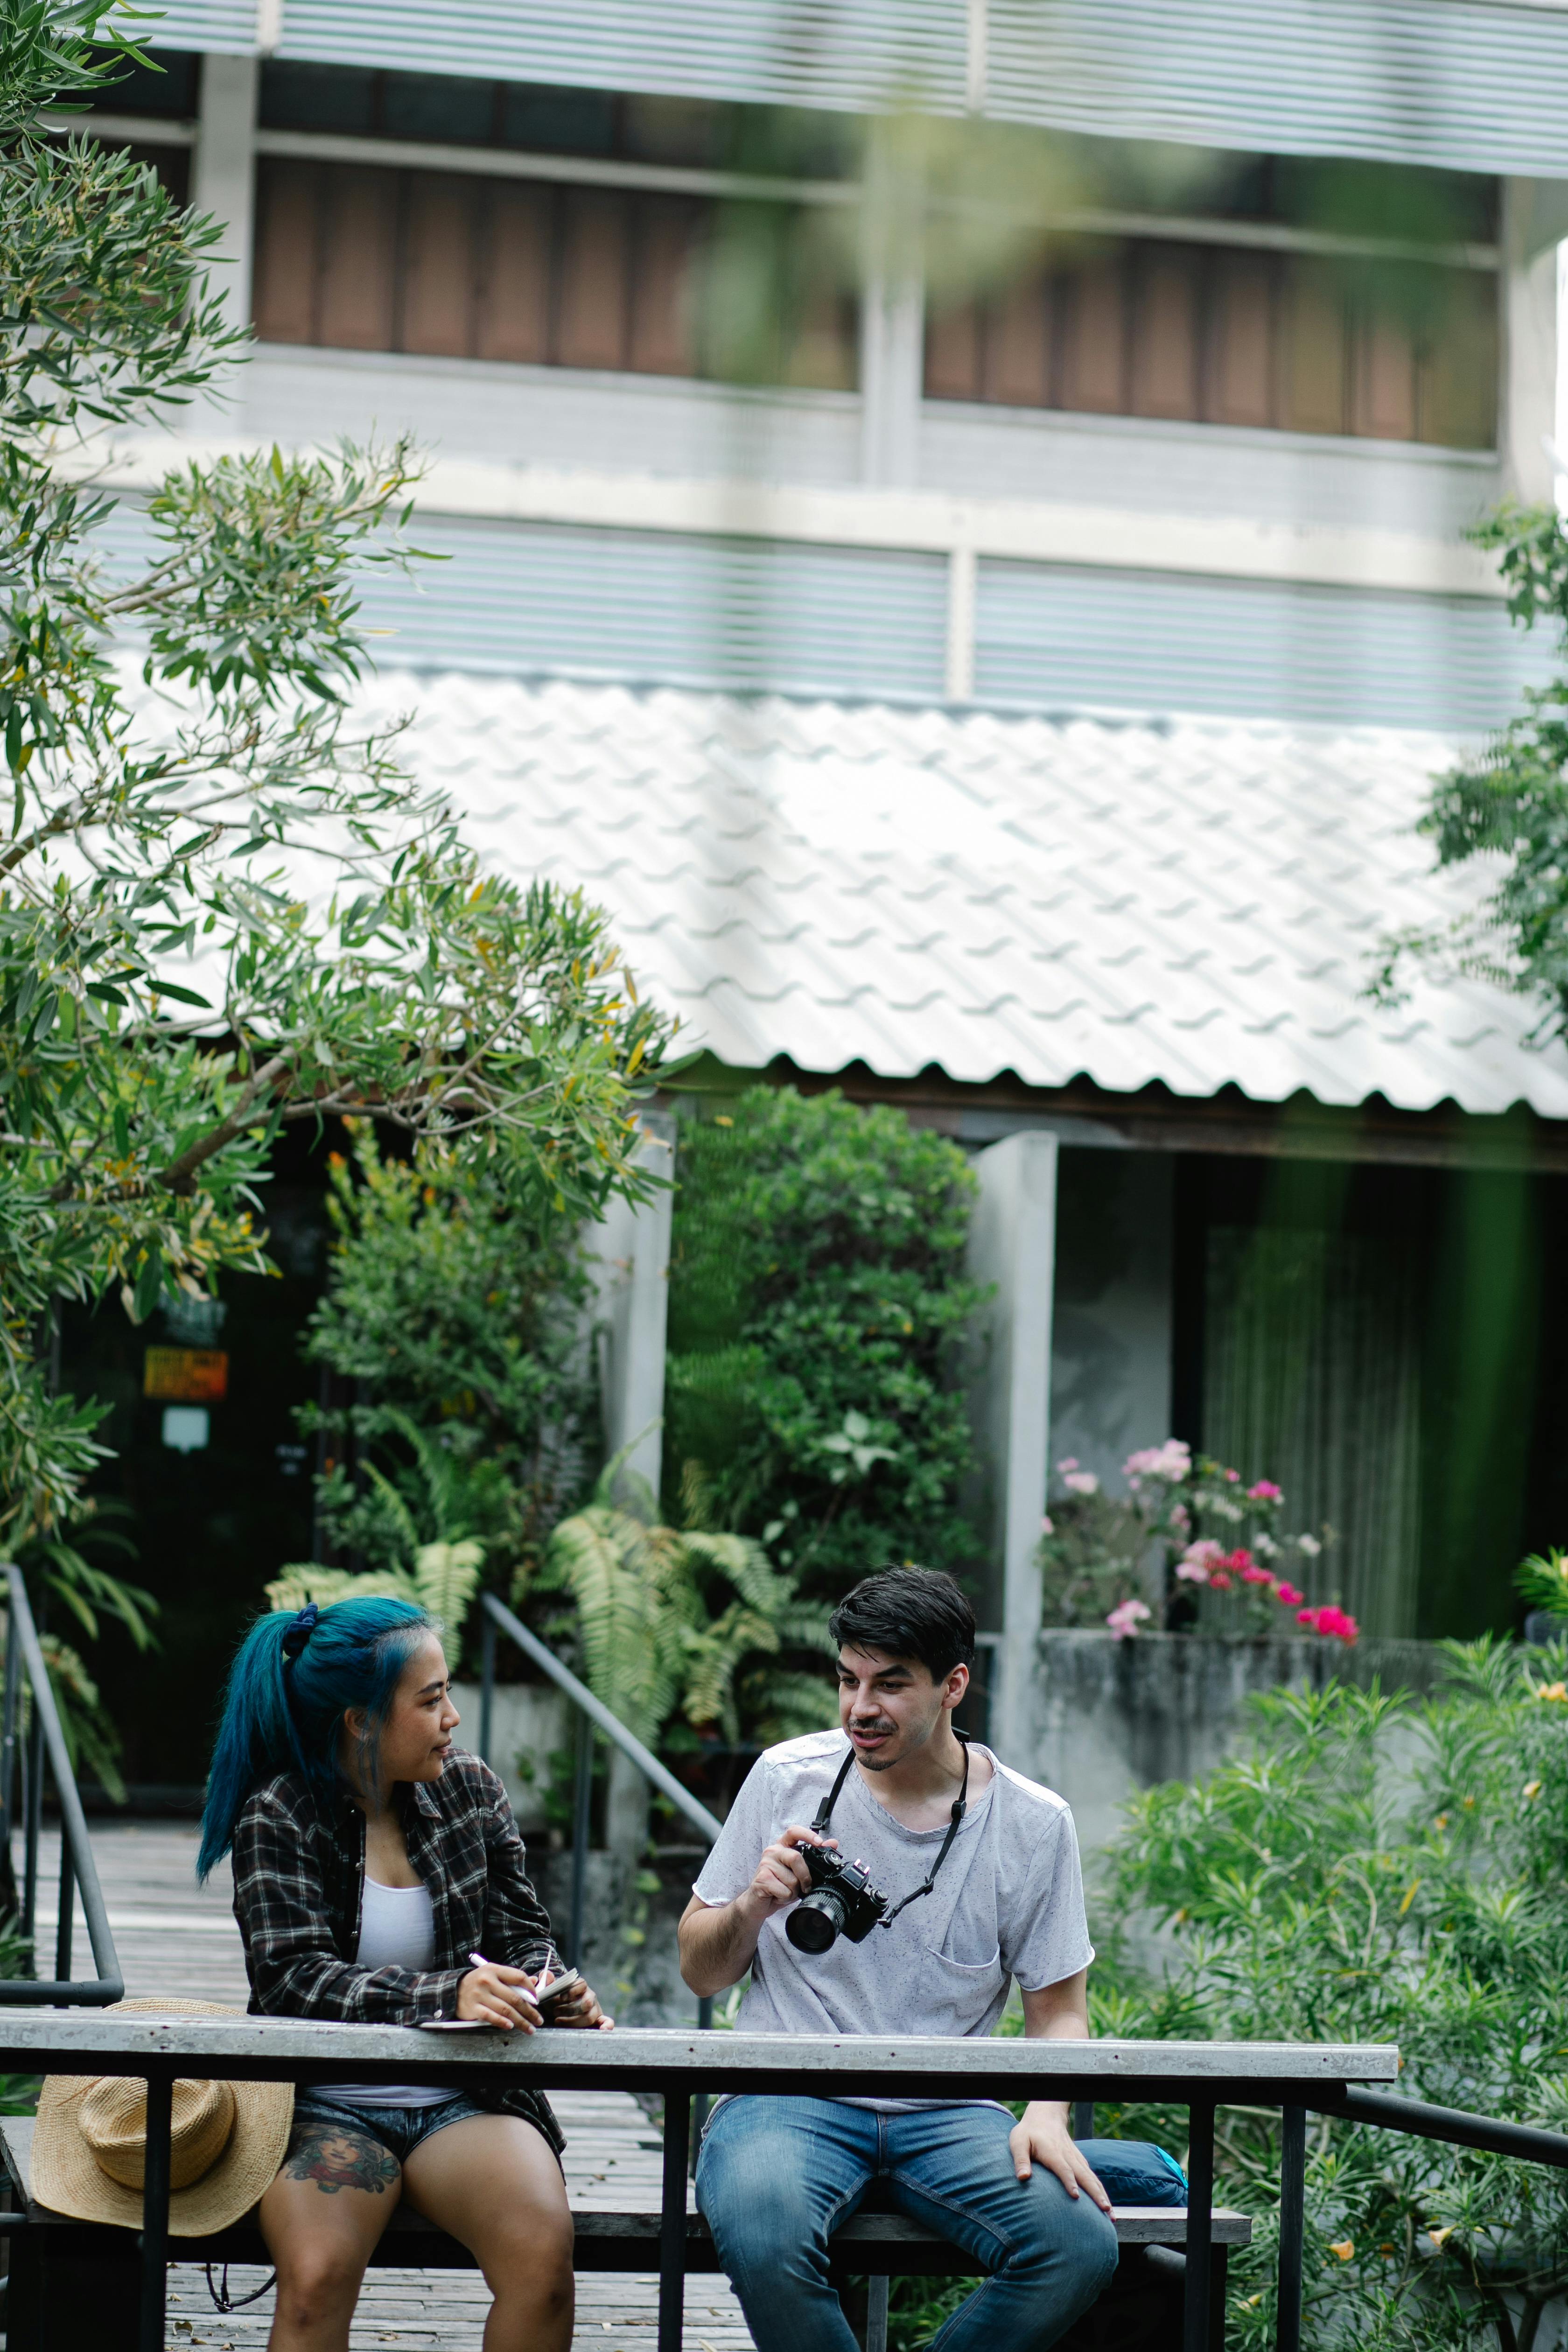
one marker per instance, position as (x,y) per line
(816,1921)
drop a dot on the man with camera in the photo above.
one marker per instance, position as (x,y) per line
(892,1877)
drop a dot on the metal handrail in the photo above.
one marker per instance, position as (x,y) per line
(77,1869)
(590,1713)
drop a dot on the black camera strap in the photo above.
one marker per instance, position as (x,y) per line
(961,1806)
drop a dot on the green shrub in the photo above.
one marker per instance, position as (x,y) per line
(454,1305)
(1372,1869)
(817,1305)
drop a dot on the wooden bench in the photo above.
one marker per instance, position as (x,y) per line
(75,2284)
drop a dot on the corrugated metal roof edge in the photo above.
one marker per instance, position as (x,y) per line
(1164,720)
(1517,1136)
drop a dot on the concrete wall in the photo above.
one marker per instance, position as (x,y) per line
(529,1720)
(1113,1716)
(1110,1329)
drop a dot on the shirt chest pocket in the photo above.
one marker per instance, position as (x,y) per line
(954,1995)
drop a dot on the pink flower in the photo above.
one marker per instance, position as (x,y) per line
(1198,1560)
(1126,1618)
(1266,1491)
(1181,1517)
(1233,1477)
(1070,1464)
(1308,1617)
(1289,1595)
(1173,1460)
(1081,1482)
(1256,1575)
(1048,1526)
(1220,1579)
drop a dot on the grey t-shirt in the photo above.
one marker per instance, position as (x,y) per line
(1008,1901)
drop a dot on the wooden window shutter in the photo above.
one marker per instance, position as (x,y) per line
(359,240)
(438,270)
(288,250)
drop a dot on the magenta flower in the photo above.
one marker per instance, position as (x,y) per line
(1255,1575)
(1289,1595)
(1266,1491)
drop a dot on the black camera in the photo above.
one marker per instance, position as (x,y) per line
(842,1902)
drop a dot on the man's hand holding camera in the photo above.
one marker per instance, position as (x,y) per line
(782,1875)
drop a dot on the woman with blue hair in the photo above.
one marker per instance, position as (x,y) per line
(379,1877)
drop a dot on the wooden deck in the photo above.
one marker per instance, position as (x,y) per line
(175,1937)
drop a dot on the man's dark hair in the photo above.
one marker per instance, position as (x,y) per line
(908,1613)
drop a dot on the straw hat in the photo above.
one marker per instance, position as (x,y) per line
(225,2142)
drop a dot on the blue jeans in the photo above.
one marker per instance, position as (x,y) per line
(777,2175)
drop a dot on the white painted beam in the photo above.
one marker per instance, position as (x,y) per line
(962,576)
(1526,406)
(223,180)
(1235,547)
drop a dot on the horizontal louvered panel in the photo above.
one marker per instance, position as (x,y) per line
(226,27)
(694,611)
(858,55)
(1463,83)
(1466,83)
(1052,637)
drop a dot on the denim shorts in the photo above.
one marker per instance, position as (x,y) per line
(400,2130)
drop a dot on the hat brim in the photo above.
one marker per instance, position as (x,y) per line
(68,2177)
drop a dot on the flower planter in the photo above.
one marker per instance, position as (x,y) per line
(1112,1717)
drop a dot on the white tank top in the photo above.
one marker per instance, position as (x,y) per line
(396,1930)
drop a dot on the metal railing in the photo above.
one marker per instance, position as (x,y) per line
(22,1790)
(592,1714)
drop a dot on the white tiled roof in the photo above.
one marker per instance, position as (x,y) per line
(1193,901)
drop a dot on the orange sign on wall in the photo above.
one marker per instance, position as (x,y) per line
(185,1375)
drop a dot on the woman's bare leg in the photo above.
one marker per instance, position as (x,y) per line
(321,2217)
(494,2184)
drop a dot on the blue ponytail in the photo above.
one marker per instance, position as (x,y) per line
(290,1683)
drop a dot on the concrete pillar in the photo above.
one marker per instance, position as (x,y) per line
(1012,1248)
(223,180)
(630,1251)
(1534,218)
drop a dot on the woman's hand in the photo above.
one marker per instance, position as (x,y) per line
(493,1995)
(580,2007)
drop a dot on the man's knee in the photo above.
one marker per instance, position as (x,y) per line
(1068,2238)
(777,2233)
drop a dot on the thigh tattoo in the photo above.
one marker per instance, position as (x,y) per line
(337,2160)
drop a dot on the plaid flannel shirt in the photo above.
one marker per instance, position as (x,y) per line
(299,1884)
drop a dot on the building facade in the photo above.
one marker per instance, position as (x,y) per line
(954,520)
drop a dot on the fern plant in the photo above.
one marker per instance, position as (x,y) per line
(430,1557)
(670,1617)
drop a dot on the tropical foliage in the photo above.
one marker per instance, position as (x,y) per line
(686,1620)
(817,1305)
(1374,1869)
(1177,1534)
(452,1324)
(223,907)
(440,1577)
(1508,804)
